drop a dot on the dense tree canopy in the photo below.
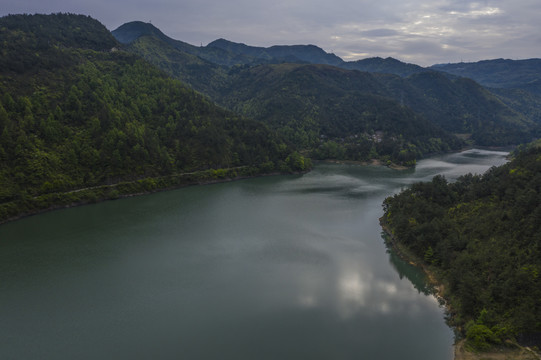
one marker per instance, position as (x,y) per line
(483,235)
(76,114)
(296,91)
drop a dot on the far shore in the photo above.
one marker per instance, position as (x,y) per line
(101,193)
(372,162)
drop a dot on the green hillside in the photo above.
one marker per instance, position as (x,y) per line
(201,75)
(338,113)
(481,235)
(500,73)
(132,31)
(75,113)
(278,53)
(384,66)
(456,105)
(461,105)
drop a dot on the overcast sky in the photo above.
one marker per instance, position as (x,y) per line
(418,31)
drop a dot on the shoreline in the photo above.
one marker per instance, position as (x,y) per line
(125,189)
(372,162)
(100,193)
(511,351)
(413,260)
(31,206)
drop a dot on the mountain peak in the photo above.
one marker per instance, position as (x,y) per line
(68,30)
(388,65)
(131,31)
(292,53)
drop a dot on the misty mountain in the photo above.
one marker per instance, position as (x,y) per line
(499,73)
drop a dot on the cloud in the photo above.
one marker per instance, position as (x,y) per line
(418,31)
(380,33)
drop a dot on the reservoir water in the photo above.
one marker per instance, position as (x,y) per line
(285,267)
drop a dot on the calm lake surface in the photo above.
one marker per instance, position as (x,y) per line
(285,267)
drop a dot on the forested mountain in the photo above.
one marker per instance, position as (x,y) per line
(279,53)
(132,31)
(455,104)
(500,73)
(336,95)
(482,236)
(228,53)
(79,110)
(384,66)
(198,73)
(460,105)
(339,113)
(522,101)
(75,113)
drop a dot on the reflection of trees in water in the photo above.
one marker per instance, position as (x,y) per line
(415,275)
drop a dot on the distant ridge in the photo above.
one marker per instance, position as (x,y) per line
(294,53)
(386,66)
(499,73)
(233,75)
(229,53)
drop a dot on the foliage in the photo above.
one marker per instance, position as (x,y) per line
(384,66)
(132,31)
(278,53)
(485,235)
(333,112)
(463,106)
(500,73)
(192,70)
(454,104)
(82,116)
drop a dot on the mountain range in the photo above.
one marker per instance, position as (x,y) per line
(224,71)
(81,121)
(88,114)
(497,73)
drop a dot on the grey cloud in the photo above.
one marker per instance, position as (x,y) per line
(418,31)
(380,33)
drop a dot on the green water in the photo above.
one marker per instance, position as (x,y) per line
(287,267)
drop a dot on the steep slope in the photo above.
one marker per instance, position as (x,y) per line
(314,104)
(462,106)
(458,106)
(522,101)
(73,119)
(455,104)
(199,74)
